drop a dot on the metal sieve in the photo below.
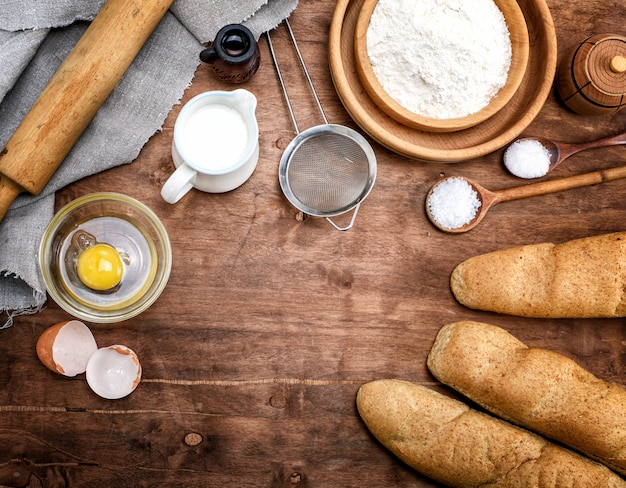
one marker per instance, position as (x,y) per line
(326,170)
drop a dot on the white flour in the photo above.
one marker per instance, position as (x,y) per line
(439,58)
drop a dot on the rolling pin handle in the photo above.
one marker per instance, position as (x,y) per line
(9,190)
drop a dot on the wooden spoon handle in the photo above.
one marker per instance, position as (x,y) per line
(553,186)
(568,149)
(75,93)
(610,141)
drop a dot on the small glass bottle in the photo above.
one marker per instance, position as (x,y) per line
(233,55)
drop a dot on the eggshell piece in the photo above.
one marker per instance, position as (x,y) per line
(113,372)
(66,347)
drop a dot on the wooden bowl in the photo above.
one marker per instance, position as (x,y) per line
(448,147)
(518,32)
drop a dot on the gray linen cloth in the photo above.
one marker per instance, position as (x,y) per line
(35,37)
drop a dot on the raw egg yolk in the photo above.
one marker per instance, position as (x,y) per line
(100,267)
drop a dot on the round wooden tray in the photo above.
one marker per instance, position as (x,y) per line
(518,33)
(457,146)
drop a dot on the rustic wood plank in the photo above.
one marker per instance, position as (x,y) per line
(269,324)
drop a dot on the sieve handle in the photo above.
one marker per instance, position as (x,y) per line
(349,226)
(282,83)
(306,72)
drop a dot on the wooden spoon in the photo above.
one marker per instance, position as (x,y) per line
(559,151)
(489,198)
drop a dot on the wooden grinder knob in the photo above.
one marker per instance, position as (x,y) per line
(618,64)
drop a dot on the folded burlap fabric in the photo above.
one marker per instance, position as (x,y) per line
(35,37)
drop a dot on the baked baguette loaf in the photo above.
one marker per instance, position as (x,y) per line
(582,278)
(447,441)
(539,389)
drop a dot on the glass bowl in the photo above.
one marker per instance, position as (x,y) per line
(134,232)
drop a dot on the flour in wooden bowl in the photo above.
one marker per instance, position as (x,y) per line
(442,59)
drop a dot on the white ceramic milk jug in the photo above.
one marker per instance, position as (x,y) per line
(216,144)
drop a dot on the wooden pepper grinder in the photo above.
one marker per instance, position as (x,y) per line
(591,79)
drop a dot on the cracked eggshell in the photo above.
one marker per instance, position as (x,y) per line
(66,347)
(113,372)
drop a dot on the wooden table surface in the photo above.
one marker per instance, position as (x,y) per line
(269,323)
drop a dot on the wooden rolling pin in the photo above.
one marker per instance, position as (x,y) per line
(74,94)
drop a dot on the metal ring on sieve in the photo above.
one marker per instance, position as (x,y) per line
(327,171)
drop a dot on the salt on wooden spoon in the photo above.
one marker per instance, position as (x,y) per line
(469,202)
(534,157)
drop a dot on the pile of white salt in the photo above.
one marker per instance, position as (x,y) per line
(527,158)
(453,203)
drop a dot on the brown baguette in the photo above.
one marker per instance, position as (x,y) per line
(447,441)
(536,388)
(582,278)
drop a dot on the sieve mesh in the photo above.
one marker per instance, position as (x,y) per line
(328,172)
